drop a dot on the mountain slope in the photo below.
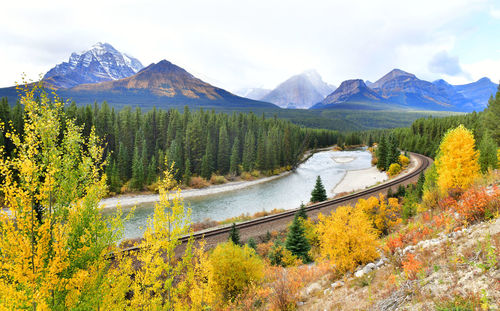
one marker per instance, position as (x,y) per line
(255,93)
(163,84)
(479,92)
(407,90)
(354,94)
(300,91)
(101,63)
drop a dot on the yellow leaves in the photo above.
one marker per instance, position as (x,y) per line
(347,238)
(457,161)
(394,169)
(383,215)
(403,160)
(232,269)
(52,238)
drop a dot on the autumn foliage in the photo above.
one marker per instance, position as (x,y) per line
(457,160)
(347,238)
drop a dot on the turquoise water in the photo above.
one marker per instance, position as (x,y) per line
(286,192)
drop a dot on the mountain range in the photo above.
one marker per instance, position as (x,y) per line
(402,90)
(102,73)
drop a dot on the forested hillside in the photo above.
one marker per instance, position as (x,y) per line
(424,135)
(199,143)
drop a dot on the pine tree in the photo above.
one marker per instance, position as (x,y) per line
(302,211)
(186,178)
(235,155)
(487,153)
(137,171)
(248,152)
(296,241)
(252,244)
(319,193)
(392,152)
(420,185)
(382,153)
(492,117)
(151,175)
(234,235)
(223,151)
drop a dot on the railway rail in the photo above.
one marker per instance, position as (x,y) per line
(221,234)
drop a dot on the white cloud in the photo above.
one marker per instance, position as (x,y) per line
(236,44)
(495,13)
(485,68)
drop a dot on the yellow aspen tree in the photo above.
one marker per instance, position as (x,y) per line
(53,240)
(232,270)
(457,160)
(383,215)
(347,238)
(159,282)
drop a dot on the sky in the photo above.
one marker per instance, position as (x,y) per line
(261,43)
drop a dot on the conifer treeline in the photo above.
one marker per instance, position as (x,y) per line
(197,142)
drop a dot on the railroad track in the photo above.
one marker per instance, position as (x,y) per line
(424,163)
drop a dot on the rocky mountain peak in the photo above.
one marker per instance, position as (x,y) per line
(102,62)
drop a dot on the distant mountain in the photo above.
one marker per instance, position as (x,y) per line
(163,85)
(405,89)
(354,94)
(300,91)
(102,62)
(253,93)
(479,92)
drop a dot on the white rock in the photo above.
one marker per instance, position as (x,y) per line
(369,267)
(337,284)
(359,273)
(312,288)
(380,263)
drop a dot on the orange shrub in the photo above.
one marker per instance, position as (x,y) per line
(409,236)
(412,266)
(477,204)
(394,242)
(217,179)
(198,182)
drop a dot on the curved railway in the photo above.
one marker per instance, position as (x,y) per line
(259,226)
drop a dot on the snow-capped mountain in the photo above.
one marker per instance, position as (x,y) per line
(102,62)
(300,91)
(255,93)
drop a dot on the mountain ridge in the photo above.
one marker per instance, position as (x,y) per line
(102,62)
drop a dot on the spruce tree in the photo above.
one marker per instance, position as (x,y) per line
(235,157)
(382,153)
(234,235)
(296,241)
(248,152)
(137,171)
(487,153)
(252,244)
(319,193)
(223,151)
(186,178)
(492,117)
(302,211)
(392,152)
(420,185)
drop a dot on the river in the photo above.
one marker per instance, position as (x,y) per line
(286,192)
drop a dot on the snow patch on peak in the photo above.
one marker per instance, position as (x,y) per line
(102,62)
